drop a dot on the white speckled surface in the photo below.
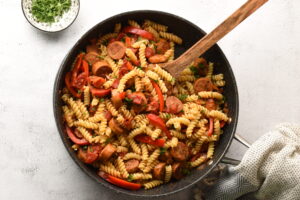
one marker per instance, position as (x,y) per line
(264,53)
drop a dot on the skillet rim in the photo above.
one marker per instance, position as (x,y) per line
(95,176)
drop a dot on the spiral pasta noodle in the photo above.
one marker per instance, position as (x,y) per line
(138,120)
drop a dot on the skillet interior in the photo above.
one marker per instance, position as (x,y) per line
(190,34)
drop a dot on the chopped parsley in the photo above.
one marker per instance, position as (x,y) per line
(162,150)
(107,140)
(139,67)
(195,71)
(182,97)
(201,65)
(168,116)
(102,100)
(85,147)
(186,171)
(123,40)
(130,178)
(48,11)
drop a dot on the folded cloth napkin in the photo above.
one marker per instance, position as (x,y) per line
(270,169)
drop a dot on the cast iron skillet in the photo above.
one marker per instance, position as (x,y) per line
(190,34)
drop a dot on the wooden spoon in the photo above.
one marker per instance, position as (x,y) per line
(178,65)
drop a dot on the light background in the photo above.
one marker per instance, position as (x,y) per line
(263,51)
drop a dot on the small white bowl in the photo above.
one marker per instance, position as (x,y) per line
(62,23)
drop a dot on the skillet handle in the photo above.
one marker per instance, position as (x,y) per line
(232,161)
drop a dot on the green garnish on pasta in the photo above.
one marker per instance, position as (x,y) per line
(144,127)
(49,10)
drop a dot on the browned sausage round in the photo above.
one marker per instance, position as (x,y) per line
(203,84)
(210,104)
(101,68)
(115,127)
(91,57)
(159,171)
(157,58)
(173,104)
(177,171)
(180,152)
(201,65)
(132,165)
(139,101)
(116,99)
(166,157)
(116,50)
(162,46)
(92,48)
(90,154)
(107,152)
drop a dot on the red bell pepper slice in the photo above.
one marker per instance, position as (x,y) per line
(120,182)
(85,67)
(147,139)
(99,92)
(129,65)
(70,88)
(159,122)
(122,95)
(74,138)
(222,124)
(138,31)
(128,41)
(160,96)
(76,67)
(120,36)
(211,127)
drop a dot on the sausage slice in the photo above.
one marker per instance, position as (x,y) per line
(177,171)
(181,152)
(166,157)
(92,48)
(116,50)
(116,99)
(173,104)
(159,171)
(101,68)
(132,165)
(162,46)
(90,154)
(203,84)
(157,58)
(91,57)
(107,152)
(115,127)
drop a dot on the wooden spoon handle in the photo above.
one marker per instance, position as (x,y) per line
(210,39)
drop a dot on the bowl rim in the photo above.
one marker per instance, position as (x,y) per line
(112,187)
(78,10)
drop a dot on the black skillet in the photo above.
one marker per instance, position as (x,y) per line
(190,34)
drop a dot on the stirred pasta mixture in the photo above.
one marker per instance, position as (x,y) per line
(130,119)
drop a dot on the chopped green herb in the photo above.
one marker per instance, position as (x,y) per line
(173,80)
(91,149)
(201,65)
(130,178)
(101,57)
(107,140)
(85,147)
(139,67)
(128,100)
(105,42)
(168,116)
(79,91)
(49,10)
(195,71)
(182,97)
(123,40)
(224,99)
(186,171)
(102,100)
(162,150)
(156,81)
